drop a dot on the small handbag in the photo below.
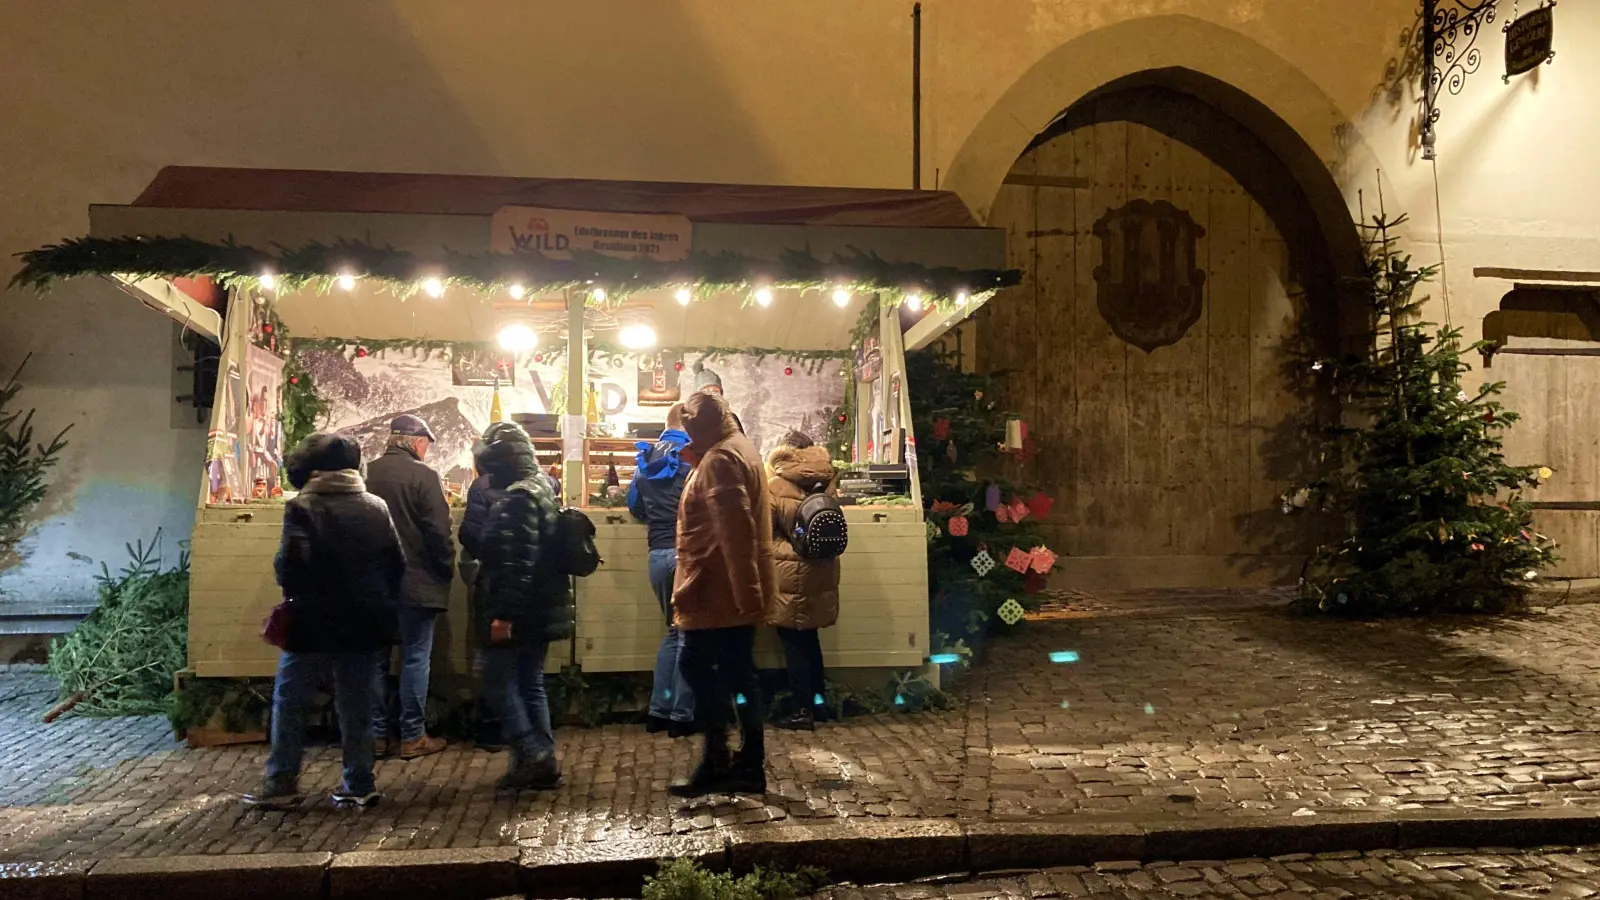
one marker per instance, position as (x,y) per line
(275,629)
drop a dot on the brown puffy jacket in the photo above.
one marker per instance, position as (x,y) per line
(808,589)
(725,577)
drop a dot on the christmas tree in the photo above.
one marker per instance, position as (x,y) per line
(972,510)
(1433,517)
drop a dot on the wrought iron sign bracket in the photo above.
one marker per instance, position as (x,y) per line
(1450,30)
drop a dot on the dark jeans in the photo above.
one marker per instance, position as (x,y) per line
(720,666)
(670,695)
(416,655)
(802,655)
(299,675)
(513,685)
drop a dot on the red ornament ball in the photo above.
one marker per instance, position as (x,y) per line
(294,379)
(677,367)
(267,328)
(361,352)
(788,370)
(841,417)
(538,357)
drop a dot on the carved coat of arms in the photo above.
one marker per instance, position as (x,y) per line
(1148,287)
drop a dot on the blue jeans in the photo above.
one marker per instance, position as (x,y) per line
(416,655)
(670,696)
(513,686)
(299,676)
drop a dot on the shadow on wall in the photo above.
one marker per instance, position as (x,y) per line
(107,94)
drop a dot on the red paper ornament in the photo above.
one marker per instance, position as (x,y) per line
(1040,505)
(941,429)
(788,370)
(1034,583)
(959,526)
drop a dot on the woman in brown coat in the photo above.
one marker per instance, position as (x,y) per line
(808,589)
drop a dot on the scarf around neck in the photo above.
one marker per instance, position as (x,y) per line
(338,481)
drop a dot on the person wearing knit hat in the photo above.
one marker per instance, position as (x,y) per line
(705,380)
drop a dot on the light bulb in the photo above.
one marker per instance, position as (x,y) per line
(518,291)
(599,295)
(682,296)
(764,296)
(434,287)
(268,282)
(637,337)
(914,301)
(347,282)
(841,297)
(517,338)
(961,299)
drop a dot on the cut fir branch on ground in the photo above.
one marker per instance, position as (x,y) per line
(1434,518)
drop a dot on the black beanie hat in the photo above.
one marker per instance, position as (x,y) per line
(322,452)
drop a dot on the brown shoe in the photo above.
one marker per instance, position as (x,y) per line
(422,746)
(381,748)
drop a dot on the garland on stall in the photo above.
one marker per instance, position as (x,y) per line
(607,352)
(304,410)
(321,266)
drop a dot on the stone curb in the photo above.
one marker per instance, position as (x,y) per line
(872,851)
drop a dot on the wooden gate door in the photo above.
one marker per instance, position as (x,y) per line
(1150,337)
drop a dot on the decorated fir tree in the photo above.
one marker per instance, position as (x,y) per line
(976,516)
(1433,517)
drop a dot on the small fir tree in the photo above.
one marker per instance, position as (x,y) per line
(959,430)
(1434,518)
(23,464)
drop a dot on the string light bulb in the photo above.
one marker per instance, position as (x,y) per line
(268,282)
(347,282)
(961,299)
(683,296)
(599,294)
(517,338)
(433,287)
(637,337)
(841,297)
(518,292)
(914,301)
(763,296)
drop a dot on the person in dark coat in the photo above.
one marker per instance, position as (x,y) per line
(522,603)
(808,589)
(653,499)
(421,514)
(340,566)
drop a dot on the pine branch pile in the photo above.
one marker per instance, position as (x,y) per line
(121,660)
(685,879)
(1434,517)
(23,463)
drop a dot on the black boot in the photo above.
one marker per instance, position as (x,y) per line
(799,720)
(710,775)
(747,775)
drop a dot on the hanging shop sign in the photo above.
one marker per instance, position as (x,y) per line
(558,233)
(1529,41)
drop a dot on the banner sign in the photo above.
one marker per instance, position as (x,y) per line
(557,233)
(1529,40)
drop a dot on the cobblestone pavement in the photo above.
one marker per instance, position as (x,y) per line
(1560,872)
(1231,712)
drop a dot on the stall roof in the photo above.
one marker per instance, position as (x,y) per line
(391,228)
(303,190)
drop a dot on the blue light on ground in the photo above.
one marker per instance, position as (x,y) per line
(1065,704)
(1149,709)
(818,700)
(1063,656)
(899,700)
(944,659)
(739,699)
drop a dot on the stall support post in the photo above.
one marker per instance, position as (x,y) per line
(232,340)
(574,429)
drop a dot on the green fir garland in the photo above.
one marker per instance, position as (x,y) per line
(319,266)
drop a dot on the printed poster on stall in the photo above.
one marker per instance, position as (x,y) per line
(558,233)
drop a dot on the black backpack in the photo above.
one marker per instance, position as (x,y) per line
(575,552)
(820,531)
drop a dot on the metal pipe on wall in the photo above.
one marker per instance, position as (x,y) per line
(916,96)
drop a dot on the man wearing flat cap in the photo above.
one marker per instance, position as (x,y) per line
(416,500)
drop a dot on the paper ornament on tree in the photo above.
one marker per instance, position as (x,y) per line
(930,529)
(1002,513)
(1043,559)
(982,563)
(1034,583)
(1018,561)
(1040,505)
(1019,510)
(1010,612)
(941,429)
(958,526)
(991,498)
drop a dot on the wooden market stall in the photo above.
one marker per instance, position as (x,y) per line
(581,308)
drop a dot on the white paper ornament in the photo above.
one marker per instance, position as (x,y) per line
(1010,612)
(982,563)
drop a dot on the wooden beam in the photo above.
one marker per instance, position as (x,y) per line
(1049,181)
(159,294)
(1536,275)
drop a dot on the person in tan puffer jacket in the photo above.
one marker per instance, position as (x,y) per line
(808,589)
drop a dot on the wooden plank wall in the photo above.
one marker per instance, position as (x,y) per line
(1560,428)
(1177,456)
